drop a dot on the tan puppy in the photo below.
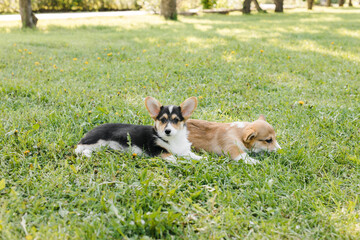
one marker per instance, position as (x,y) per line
(234,139)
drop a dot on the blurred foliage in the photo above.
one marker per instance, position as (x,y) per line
(208,4)
(71,5)
(12,6)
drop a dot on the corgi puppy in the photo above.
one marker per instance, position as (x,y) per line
(167,138)
(235,139)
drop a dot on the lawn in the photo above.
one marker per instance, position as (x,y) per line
(300,69)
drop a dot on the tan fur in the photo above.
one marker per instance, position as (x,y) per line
(229,139)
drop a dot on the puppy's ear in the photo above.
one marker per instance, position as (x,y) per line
(153,106)
(188,107)
(250,134)
(262,117)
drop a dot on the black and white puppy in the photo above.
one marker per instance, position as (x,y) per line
(167,138)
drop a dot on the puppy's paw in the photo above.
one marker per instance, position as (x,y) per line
(251,161)
(247,159)
(168,157)
(196,157)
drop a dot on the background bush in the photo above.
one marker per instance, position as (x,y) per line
(12,6)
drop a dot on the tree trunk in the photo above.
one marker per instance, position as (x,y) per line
(258,8)
(350,3)
(168,9)
(310,4)
(328,3)
(341,3)
(246,7)
(279,5)
(28,18)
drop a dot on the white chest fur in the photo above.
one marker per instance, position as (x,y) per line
(178,144)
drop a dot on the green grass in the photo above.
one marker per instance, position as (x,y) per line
(239,67)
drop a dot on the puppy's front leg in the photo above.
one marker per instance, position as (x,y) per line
(168,157)
(192,155)
(237,154)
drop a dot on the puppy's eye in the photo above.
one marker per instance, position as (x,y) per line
(163,120)
(175,120)
(268,140)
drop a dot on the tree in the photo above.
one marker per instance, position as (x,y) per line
(28,18)
(328,3)
(168,9)
(350,3)
(310,4)
(246,7)
(279,5)
(341,3)
(247,4)
(258,8)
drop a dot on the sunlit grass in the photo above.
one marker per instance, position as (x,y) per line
(300,69)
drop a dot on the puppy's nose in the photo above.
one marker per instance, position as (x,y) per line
(167,131)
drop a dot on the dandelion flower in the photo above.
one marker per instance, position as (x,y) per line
(74,59)
(20,50)
(50,58)
(98,58)
(301,102)
(261,51)
(37,63)
(134,154)
(348,70)
(144,51)
(332,43)
(86,62)
(61,70)
(186,65)
(25,49)
(89,111)
(40,70)
(232,52)
(29,53)
(110,54)
(200,97)
(26,152)
(55,66)
(29,237)
(14,44)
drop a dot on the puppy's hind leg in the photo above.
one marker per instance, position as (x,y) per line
(84,150)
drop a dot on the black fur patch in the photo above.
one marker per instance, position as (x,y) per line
(166,110)
(144,137)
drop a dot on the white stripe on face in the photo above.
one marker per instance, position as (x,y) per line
(169,127)
(171,107)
